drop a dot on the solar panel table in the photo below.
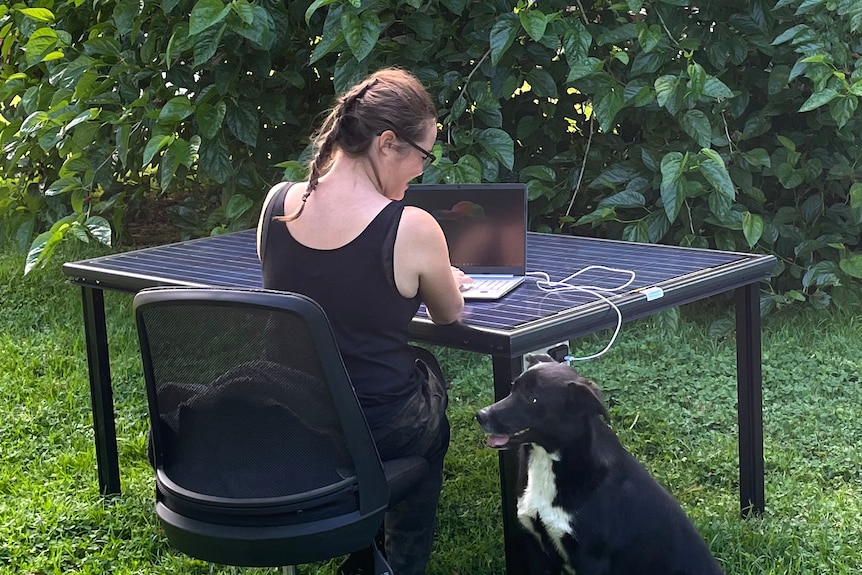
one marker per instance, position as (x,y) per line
(525,320)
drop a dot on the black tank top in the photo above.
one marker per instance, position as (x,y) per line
(355,285)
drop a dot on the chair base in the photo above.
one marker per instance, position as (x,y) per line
(271,546)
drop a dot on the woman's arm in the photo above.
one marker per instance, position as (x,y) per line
(422,266)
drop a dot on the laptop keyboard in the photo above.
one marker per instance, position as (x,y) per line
(486,285)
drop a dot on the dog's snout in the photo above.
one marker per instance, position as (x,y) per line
(482,416)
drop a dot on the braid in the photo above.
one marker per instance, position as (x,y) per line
(318,166)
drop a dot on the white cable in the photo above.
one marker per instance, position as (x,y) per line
(563,285)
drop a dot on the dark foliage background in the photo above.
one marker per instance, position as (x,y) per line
(731,125)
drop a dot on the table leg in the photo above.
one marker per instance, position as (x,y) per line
(505,369)
(101,394)
(750,396)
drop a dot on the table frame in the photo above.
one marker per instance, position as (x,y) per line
(506,348)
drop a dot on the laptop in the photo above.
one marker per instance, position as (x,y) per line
(486,229)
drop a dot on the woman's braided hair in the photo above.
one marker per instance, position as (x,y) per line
(389,99)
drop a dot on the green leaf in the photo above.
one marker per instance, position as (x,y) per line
(808,6)
(293,171)
(786,142)
(843,108)
(498,144)
(176,110)
(752,228)
(650,37)
(537,189)
(37,14)
(332,37)
(664,88)
(210,118)
(78,232)
(100,229)
(542,83)
(852,266)
(503,33)
(206,44)
(534,22)
(167,169)
(206,13)
(856,195)
(244,10)
(313,8)
(789,34)
(696,80)
(125,12)
(600,215)
(468,170)
(63,186)
(637,232)
(40,249)
(817,99)
(537,172)
(672,184)
(215,160)
(824,273)
(624,199)
(715,88)
(243,123)
(348,72)
(183,151)
(696,124)
(156,143)
(261,32)
(237,206)
(757,157)
(583,69)
(41,43)
(605,107)
(361,33)
(713,169)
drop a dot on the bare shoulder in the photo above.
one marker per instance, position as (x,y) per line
(417,224)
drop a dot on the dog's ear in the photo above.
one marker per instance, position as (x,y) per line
(588,392)
(534,358)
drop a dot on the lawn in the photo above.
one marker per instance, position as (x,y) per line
(672,399)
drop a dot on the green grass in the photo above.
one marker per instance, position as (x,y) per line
(672,400)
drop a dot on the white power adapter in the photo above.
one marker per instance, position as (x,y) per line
(558,351)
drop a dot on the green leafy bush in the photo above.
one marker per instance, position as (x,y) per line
(730,125)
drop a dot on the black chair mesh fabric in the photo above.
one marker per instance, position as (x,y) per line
(239,406)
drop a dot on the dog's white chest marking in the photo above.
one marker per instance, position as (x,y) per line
(537,501)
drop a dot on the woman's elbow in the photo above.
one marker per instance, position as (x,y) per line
(447,315)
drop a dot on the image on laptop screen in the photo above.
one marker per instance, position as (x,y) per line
(485,224)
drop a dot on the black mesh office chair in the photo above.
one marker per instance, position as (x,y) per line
(262,455)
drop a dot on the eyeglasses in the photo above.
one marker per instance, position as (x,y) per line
(427,159)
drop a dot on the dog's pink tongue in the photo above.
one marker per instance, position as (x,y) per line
(498,440)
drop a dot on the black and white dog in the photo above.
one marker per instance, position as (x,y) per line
(592,507)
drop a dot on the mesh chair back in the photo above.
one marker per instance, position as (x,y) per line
(249,400)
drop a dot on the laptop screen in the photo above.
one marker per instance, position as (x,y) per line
(485,224)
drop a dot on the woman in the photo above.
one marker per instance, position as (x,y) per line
(344,239)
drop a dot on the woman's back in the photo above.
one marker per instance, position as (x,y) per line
(354,283)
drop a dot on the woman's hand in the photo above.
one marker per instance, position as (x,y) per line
(462,280)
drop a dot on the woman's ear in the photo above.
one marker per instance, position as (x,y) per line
(386,142)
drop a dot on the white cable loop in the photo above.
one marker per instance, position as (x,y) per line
(547,285)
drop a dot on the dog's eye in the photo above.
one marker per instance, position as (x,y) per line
(534,400)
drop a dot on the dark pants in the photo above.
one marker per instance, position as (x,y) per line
(419,428)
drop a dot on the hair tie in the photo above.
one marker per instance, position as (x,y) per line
(365,88)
